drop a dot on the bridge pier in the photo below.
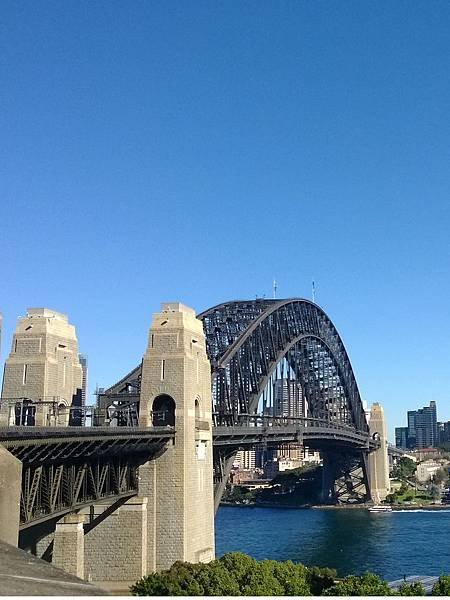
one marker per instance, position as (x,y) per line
(116,549)
(176,390)
(68,545)
(10,489)
(378,461)
(327,494)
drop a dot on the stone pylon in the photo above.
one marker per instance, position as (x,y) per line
(378,460)
(42,367)
(176,391)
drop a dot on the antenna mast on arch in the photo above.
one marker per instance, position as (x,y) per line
(313,291)
(275,287)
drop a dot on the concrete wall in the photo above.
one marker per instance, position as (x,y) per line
(10,488)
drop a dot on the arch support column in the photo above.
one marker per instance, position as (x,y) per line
(178,484)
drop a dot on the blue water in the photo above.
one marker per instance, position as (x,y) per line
(351,541)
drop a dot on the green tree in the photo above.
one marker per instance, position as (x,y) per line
(434,491)
(320,579)
(404,469)
(179,580)
(442,586)
(441,476)
(215,580)
(367,584)
(411,589)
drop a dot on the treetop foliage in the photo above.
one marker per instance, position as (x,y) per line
(236,574)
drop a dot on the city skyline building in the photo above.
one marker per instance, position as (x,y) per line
(288,398)
(84,378)
(421,430)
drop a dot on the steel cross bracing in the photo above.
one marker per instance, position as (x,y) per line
(246,341)
(252,345)
(67,468)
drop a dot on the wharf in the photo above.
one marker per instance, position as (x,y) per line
(426,580)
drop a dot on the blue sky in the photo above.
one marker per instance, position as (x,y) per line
(160,151)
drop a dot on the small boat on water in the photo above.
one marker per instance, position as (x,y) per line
(380,508)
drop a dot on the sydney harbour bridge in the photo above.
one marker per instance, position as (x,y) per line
(250,348)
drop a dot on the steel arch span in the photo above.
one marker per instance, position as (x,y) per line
(246,340)
(252,345)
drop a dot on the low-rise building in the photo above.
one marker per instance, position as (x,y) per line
(426,470)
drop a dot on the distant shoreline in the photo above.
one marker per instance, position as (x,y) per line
(395,507)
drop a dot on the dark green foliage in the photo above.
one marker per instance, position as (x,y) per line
(234,574)
(404,469)
(239,495)
(411,589)
(442,587)
(179,580)
(320,579)
(434,491)
(367,584)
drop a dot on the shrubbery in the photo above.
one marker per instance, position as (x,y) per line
(367,584)
(442,587)
(236,574)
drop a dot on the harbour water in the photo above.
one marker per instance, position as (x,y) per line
(413,542)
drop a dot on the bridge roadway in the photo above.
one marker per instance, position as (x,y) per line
(67,468)
(57,444)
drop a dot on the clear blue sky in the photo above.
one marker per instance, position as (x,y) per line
(159,151)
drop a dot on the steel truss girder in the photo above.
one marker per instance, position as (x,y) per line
(51,489)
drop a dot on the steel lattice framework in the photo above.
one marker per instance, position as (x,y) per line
(68,468)
(247,340)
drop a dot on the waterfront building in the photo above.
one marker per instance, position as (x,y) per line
(43,365)
(273,467)
(426,470)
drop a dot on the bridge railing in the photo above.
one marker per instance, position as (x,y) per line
(252,420)
(53,412)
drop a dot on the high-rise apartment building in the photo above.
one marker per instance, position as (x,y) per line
(84,379)
(43,363)
(401,437)
(444,432)
(245,459)
(422,430)
(288,399)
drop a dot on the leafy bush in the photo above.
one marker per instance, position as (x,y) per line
(442,586)
(411,589)
(320,579)
(367,584)
(236,574)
